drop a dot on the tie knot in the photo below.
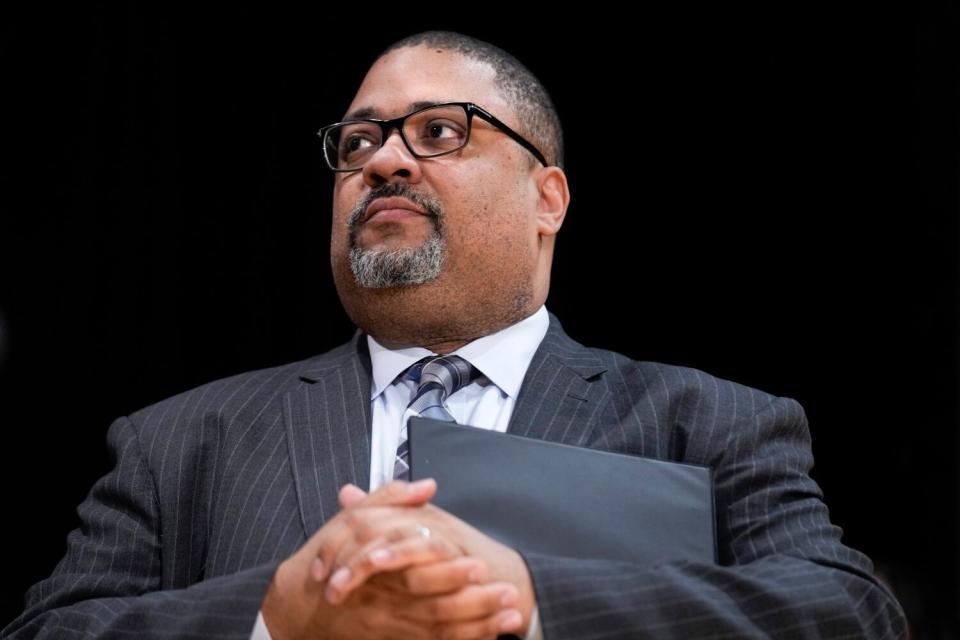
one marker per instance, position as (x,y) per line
(451,372)
(437,378)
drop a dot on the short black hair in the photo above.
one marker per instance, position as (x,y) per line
(535,112)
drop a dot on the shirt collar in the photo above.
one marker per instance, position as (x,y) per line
(503,357)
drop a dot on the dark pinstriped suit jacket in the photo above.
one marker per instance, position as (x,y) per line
(212,488)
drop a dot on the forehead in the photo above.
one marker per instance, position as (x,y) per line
(404,77)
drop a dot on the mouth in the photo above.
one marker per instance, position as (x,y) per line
(392,208)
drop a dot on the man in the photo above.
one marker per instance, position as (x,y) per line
(264,504)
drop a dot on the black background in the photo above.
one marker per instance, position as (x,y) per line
(766,194)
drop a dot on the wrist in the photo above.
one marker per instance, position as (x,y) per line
(277,604)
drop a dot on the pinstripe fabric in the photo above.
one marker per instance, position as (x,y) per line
(212,488)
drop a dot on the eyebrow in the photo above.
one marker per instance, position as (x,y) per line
(373,112)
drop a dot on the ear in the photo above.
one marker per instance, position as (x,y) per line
(553,200)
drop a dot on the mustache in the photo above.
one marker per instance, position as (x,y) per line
(430,205)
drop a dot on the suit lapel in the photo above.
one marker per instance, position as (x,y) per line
(562,393)
(328,419)
(328,426)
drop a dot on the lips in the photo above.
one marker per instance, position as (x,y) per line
(393,204)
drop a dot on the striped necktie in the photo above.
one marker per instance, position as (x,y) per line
(437,377)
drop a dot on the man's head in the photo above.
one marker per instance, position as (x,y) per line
(437,251)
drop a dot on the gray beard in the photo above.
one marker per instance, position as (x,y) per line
(379,269)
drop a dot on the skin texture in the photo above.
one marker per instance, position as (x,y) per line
(369,571)
(502,211)
(444,593)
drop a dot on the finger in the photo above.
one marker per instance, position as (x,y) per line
(346,531)
(353,522)
(503,622)
(380,558)
(401,494)
(441,577)
(470,603)
(351,494)
(337,536)
(379,622)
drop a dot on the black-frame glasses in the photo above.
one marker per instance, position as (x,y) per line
(431,131)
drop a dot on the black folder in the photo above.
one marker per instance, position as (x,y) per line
(551,498)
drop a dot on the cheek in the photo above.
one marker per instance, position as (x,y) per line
(345,198)
(343,202)
(492,232)
(484,194)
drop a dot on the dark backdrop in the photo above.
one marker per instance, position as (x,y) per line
(766,194)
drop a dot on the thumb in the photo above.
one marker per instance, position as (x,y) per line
(351,494)
(401,494)
(393,494)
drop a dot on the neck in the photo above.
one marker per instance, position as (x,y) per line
(440,333)
(441,348)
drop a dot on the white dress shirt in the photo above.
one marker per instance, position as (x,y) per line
(502,357)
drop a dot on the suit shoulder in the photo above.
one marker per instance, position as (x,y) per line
(251,391)
(680,386)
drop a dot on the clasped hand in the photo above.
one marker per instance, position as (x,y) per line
(392,565)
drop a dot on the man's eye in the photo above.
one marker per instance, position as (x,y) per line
(355,143)
(443,129)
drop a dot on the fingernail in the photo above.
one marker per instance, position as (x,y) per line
(509,598)
(380,556)
(337,580)
(510,621)
(331,594)
(317,570)
(340,578)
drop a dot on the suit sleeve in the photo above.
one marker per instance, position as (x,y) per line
(783,571)
(109,582)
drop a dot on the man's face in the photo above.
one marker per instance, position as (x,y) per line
(475,207)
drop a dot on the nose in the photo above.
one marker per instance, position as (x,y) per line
(392,162)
